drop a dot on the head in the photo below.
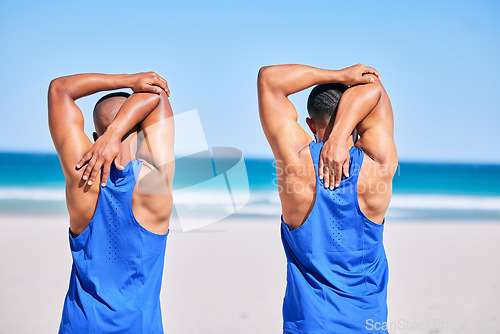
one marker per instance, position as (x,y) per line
(322,106)
(105,111)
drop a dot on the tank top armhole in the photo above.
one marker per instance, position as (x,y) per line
(316,192)
(356,198)
(136,170)
(91,221)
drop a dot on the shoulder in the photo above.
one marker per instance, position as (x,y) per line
(375,171)
(70,155)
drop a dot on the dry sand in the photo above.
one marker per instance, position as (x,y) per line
(229,277)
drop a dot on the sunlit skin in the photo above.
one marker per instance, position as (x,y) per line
(364,106)
(147,110)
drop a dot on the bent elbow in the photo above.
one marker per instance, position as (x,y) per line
(265,75)
(57,85)
(162,96)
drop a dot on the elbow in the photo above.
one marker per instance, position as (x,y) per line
(155,98)
(56,85)
(374,91)
(375,86)
(162,97)
(264,79)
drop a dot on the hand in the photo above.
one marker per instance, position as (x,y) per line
(149,82)
(334,159)
(106,149)
(355,75)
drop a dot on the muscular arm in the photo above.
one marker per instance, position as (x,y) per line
(277,113)
(367,108)
(158,145)
(106,148)
(66,119)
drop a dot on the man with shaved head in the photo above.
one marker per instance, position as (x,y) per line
(119,199)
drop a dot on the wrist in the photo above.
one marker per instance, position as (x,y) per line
(126,80)
(338,136)
(331,76)
(113,132)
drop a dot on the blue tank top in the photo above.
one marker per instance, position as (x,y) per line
(336,265)
(117,266)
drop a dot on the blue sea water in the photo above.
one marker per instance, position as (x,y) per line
(35,183)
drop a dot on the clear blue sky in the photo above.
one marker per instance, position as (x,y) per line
(438,61)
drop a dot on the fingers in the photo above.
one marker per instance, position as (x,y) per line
(95,170)
(345,167)
(83,160)
(371,70)
(105,173)
(326,176)
(164,86)
(367,79)
(332,178)
(162,83)
(337,175)
(320,168)
(118,162)
(152,88)
(88,169)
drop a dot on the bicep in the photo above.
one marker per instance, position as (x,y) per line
(279,122)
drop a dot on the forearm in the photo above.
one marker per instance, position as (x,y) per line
(356,103)
(80,85)
(133,111)
(292,78)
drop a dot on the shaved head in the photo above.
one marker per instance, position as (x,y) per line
(105,110)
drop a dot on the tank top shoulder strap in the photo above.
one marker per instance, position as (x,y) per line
(356,160)
(122,182)
(315,149)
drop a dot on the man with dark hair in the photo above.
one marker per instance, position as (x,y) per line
(334,192)
(324,99)
(119,226)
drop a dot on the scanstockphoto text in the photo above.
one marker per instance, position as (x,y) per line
(285,170)
(428,325)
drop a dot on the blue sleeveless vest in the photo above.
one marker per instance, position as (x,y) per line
(117,267)
(336,265)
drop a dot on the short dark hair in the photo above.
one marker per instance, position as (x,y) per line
(323,101)
(111,95)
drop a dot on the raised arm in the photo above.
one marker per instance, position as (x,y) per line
(66,119)
(367,109)
(158,148)
(277,113)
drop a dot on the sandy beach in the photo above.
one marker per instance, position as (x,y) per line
(229,277)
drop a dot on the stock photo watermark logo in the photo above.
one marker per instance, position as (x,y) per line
(301,170)
(210,183)
(428,325)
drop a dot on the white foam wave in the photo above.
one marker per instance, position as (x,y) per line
(32,193)
(446,202)
(264,202)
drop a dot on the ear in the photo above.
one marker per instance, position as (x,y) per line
(94,134)
(311,125)
(355,136)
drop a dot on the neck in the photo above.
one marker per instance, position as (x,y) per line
(322,136)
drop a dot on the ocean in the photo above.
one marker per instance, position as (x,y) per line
(34,183)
